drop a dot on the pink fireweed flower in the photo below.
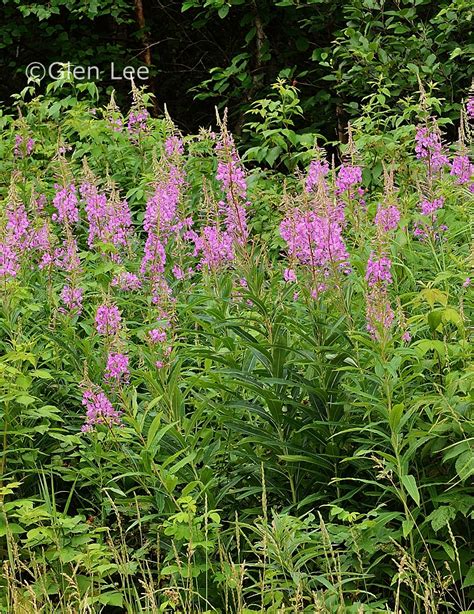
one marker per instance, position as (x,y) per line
(9,261)
(316,292)
(72,299)
(174,146)
(23,147)
(161,294)
(67,257)
(214,246)
(462,168)
(157,335)
(17,152)
(39,242)
(379,314)
(470,107)
(109,221)
(428,226)
(39,203)
(289,276)
(116,123)
(137,122)
(99,410)
(315,241)
(159,364)
(387,218)
(161,208)
(178,272)
(348,176)
(161,222)
(317,171)
(467,282)
(154,257)
(378,270)
(231,177)
(406,336)
(17,223)
(65,202)
(429,207)
(96,211)
(127,281)
(107,319)
(117,367)
(428,147)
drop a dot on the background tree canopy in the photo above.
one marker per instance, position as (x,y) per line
(212,52)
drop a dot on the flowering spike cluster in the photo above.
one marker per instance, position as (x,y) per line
(113,115)
(470,107)
(315,241)
(314,236)
(162,221)
(217,242)
(174,146)
(157,335)
(379,312)
(67,257)
(110,221)
(9,261)
(117,368)
(72,300)
(213,245)
(108,319)
(429,148)
(99,410)
(318,170)
(161,208)
(378,270)
(138,116)
(387,218)
(429,207)
(17,223)
(137,121)
(65,201)
(231,177)
(463,170)
(15,233)
(23,146)
(347,178)
(126,281)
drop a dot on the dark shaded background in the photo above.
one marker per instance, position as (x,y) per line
(333,51)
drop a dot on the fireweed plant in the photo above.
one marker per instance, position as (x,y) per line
(196,418)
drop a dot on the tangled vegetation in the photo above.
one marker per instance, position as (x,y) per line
(225,389)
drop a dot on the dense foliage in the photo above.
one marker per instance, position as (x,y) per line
(230,52)
(226,390)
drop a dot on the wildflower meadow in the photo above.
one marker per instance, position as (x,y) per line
(230,387)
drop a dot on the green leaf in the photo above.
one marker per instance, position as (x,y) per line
(469,579)
(112,598)
(465,465)
(407,527)
(441,516)
(395,416)
(223,11)
(409,483)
